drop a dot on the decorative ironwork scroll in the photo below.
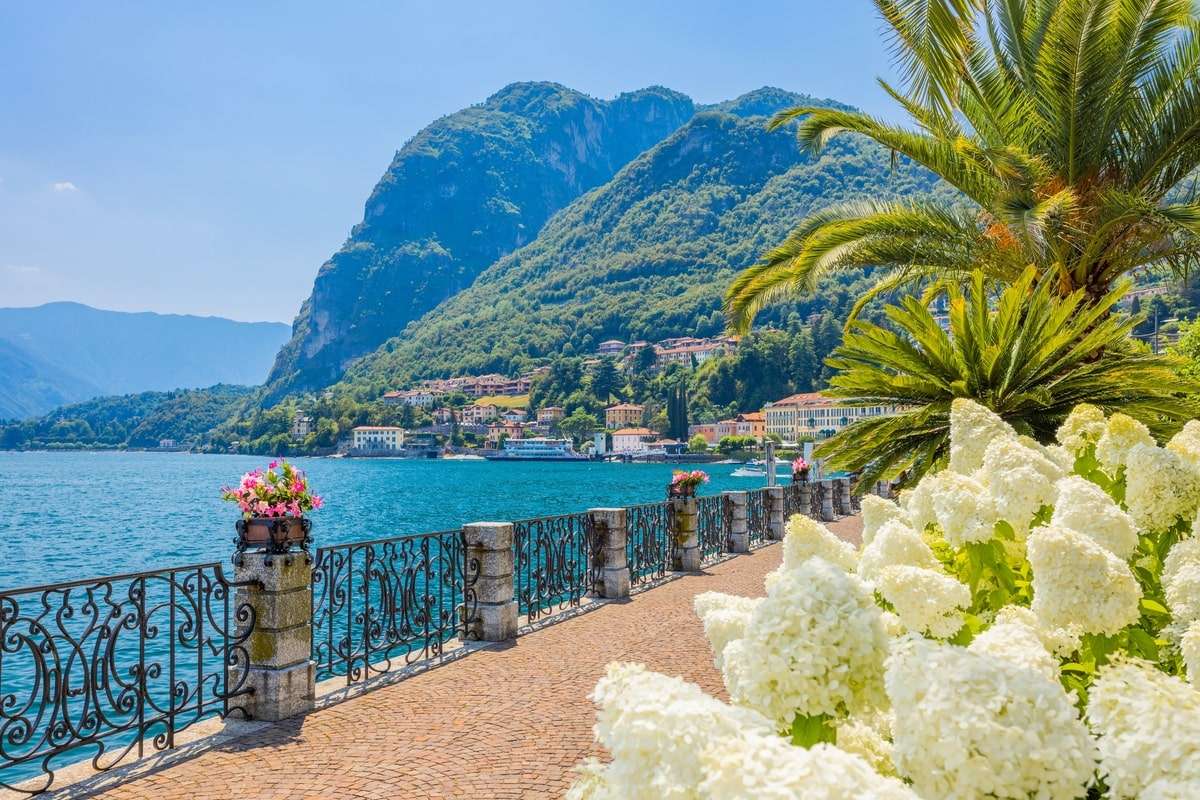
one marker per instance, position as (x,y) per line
(756,516)
(648,546)
(109,668)
(551,562)
(390,602)
(713,527)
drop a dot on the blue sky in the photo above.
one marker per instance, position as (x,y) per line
(207,157)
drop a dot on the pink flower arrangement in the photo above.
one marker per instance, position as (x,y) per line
(799,464)
(279,491)
(682,479)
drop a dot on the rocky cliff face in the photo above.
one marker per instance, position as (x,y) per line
(467,190)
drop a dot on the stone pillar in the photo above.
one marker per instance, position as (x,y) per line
(280,673)
(685,533)
(847,495)
(776,523)
(491,545)
(610,564)
(827,512)
(805,501)
(739,528)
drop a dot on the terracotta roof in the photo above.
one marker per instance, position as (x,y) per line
(625,407)
(633,432)
(804,399)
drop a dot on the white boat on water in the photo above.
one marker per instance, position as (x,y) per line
(462,457)
(537,448)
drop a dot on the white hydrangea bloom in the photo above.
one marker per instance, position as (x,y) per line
(963,508)
(972,428)
(1167,789)
(1189,647)
(654,726)
(807,538)
(1160,487)
(1018,644)
(1183,553)
(1121,433)
(876,511)
(590,782)
(969,725)
(1078,582)
(1147,725)
(869,736)
(1083,426)
(1084,507)
(1063,458)
(769,768)
(894,544)
(1020,480)
(815,645)
(1059,641)
(917,502)
(1183,594)
(1186,443)
(926,601)
(725,617)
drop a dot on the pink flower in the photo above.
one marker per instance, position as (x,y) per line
(273,464)
(317,501)
(297,486)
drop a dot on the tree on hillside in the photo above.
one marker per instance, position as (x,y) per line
(580,425)
(606,381)
(677,412)
(1031,359)
(1068,126)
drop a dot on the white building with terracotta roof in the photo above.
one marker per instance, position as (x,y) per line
(632,440)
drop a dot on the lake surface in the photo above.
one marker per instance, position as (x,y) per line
(66,516)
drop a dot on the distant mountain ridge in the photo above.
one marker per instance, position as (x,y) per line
(61,353)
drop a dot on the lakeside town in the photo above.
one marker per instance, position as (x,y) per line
(491,416)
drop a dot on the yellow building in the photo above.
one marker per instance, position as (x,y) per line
(623,415)
(812,415)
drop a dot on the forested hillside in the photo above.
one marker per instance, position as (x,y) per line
(646,256)
(465,191)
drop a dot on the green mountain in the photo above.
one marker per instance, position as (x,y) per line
(133,420)
(66,352)
(649,254)
(465,191)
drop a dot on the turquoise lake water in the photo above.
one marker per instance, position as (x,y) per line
(66,516)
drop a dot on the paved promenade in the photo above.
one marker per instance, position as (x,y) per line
(443,734)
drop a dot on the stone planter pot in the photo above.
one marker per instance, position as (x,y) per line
(801,476)
(273,534)
(680,491)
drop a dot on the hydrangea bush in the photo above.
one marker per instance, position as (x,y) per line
(1022,624)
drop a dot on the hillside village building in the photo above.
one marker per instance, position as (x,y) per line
(811,415)
(623,415)
(632,440)
(375,438)
(479,414)
(548,415)
(687,351)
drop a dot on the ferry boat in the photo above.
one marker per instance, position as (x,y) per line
(537,448)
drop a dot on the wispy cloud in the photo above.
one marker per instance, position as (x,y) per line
(65,186)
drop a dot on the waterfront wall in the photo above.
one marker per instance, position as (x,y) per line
(138,658)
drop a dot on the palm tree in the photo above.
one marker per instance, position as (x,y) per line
(1031,359)
(1071,128)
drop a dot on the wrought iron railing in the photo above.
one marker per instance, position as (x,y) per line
(389,602)
(814,500)
(104,669)
(756,516)
(648,546)
(792,501)
(712,527)
(552,562)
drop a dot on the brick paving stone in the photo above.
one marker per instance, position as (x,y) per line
(441,734)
